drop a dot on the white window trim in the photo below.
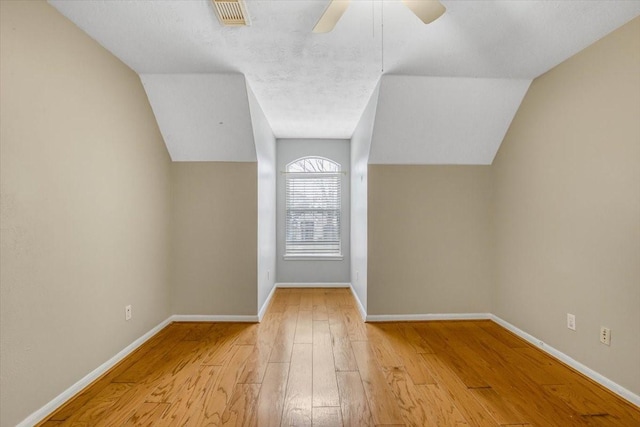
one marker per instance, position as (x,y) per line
(313,257)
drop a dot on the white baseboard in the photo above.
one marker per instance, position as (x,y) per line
(557,354)
(313,285)
(426,317)
(585,370)
(63,397)
(213,318)
(264,307)
(361,308)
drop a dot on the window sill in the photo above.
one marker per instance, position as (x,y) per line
(313,257)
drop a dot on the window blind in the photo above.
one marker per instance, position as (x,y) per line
(313,214)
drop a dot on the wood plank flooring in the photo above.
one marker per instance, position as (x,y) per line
(312,361)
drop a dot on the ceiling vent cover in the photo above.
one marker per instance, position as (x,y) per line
(231,12)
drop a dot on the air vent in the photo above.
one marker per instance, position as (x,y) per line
(231,12)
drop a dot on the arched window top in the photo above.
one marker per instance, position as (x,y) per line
(313,165)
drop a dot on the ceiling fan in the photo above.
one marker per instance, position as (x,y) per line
(427,10)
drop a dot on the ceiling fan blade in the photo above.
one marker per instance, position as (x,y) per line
(427,10)
(331,16)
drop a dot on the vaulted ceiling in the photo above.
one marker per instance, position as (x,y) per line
(470,68)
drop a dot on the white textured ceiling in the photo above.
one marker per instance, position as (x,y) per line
(317,85)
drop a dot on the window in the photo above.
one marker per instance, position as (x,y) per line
(312,193)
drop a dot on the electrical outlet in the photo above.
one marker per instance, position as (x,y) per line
(268,274)
(127,313)
(571,321)
(605,335)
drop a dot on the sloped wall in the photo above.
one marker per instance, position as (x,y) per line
(85,202)
(567,208)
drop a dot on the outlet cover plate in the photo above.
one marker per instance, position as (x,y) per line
(571,321)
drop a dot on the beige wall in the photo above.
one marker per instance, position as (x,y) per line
(429,239)
(85,186)
(567,189)
(87,194)
(214,238)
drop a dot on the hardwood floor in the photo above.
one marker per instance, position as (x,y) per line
(312,361)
